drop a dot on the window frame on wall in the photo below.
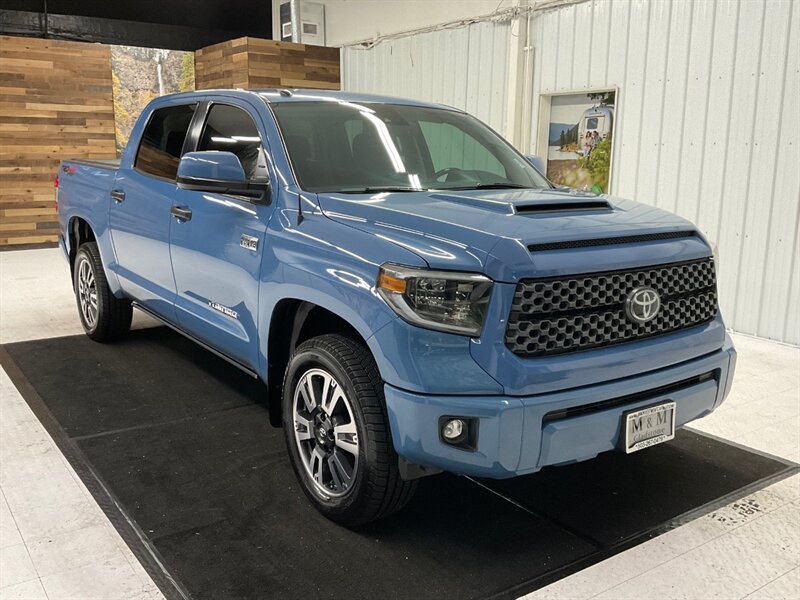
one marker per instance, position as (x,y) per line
(541,132)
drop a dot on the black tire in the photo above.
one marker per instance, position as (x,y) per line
(111,318)
(376,488)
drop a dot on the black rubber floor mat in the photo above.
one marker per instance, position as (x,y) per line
(177,446)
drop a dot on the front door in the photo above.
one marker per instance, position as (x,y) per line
(217,243)
(139,215)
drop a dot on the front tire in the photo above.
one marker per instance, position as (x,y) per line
(337,432)
(104,317)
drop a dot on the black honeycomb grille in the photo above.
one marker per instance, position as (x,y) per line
(558,315)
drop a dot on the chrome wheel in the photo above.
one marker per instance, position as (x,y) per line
(325,432)
(87,293)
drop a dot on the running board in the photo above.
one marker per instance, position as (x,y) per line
(189,336)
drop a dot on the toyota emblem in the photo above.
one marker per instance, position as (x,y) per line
(642,305)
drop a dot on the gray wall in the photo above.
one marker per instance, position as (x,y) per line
(707,127)
(464,67)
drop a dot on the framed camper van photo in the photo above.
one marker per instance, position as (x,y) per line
(577,130)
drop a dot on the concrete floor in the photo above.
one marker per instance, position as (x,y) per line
(55,542)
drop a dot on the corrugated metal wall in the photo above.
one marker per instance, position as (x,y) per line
(464,67)
(706,117)
(706,126)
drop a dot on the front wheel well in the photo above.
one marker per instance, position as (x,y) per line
(293,322)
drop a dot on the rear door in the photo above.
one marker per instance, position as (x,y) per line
(139,215)
(217,251)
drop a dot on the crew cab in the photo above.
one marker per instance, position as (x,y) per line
(414,293)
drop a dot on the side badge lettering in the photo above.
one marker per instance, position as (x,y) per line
(249,242)
(223,309)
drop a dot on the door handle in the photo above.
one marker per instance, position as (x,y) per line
(118,195)
(182,214)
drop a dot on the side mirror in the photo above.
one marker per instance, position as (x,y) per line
(538,164)
(220,173)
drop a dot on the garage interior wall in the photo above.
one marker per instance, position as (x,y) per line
(257,63)
(464,67)
(351,21)
(707,94)
(55,102)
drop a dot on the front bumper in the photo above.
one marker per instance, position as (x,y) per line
(515,439)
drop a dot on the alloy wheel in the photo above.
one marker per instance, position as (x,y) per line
(87,293)
(325,432)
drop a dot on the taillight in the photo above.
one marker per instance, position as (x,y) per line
(55,185)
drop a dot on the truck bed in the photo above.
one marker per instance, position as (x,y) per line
(84,188)
(108,163)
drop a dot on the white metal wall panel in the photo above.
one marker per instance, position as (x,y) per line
(465,68)
(705,115)
(779,302)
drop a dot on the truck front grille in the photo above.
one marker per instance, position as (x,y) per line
(578,312)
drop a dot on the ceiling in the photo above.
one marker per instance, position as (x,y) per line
(178,24)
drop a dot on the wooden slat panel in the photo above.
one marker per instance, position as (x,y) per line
(255,63)
(55,103)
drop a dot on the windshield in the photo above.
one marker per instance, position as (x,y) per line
(348,147)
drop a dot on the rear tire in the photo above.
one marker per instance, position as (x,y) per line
(337,432)
(104,317)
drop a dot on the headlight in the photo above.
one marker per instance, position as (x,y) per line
(443,300)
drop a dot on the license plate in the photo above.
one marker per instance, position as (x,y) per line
(649,426)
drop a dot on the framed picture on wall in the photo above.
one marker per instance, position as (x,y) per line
(577,131)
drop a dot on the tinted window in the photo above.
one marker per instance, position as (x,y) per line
(162,142)
(453,148)
(232,129)
(591,123)
(353,147)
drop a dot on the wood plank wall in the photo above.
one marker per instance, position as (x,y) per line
(55,102)
(256,63)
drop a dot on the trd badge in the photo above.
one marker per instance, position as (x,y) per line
(249,242)
(223,309)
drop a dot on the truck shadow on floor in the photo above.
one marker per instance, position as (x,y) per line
(182,439)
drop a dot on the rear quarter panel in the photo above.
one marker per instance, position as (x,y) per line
(83,193)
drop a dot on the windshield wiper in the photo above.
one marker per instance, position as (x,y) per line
(491,186)
(381,188)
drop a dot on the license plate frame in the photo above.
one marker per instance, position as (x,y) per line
(656,425)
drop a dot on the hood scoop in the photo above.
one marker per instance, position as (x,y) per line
(516,207)
(537,208)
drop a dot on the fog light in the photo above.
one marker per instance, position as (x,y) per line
(459,432)
(453,430)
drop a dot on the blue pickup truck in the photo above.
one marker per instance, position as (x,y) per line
(415,295)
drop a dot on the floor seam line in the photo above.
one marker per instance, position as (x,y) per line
(716,537)
(705,543)
(599,546)
(102,434)
(22,537)
(70,451)
(768,582)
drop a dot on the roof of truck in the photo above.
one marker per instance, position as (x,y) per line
(280,95)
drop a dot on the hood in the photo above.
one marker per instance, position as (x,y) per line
(493,231)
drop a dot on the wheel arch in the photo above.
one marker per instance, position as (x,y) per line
(79,232)
(294,321)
